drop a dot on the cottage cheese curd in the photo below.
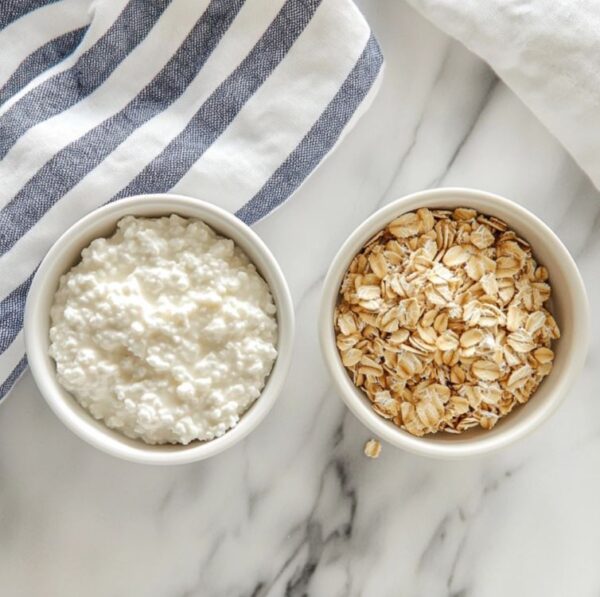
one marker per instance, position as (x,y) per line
(165,331)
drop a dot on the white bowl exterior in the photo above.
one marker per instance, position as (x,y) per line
(569,304)
(67,251)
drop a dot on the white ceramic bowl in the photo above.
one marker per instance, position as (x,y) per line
(66,252)
(569,305)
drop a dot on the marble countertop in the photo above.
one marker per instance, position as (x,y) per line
(297,509)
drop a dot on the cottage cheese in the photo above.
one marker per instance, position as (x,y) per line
(165,331)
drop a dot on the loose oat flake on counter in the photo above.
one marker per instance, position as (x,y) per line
(442,321)
(372,448)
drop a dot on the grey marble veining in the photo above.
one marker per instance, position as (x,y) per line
(297,509)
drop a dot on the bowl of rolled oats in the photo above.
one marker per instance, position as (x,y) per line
(453,322)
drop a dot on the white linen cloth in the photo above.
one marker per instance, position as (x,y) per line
(231,101)
(547,53)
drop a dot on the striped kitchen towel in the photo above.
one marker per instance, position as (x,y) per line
(232,101)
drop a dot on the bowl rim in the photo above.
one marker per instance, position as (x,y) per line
(75,417)
(354,398)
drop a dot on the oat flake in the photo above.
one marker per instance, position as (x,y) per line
(442,322)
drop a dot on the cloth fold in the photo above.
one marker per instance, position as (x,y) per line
(232,101)
(545,51)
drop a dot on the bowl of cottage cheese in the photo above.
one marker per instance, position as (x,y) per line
(159,329)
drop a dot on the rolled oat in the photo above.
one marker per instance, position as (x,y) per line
(442,321)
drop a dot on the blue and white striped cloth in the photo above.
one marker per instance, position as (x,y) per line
(232,101)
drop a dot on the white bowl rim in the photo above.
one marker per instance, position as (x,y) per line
(77,419)
(355,399)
